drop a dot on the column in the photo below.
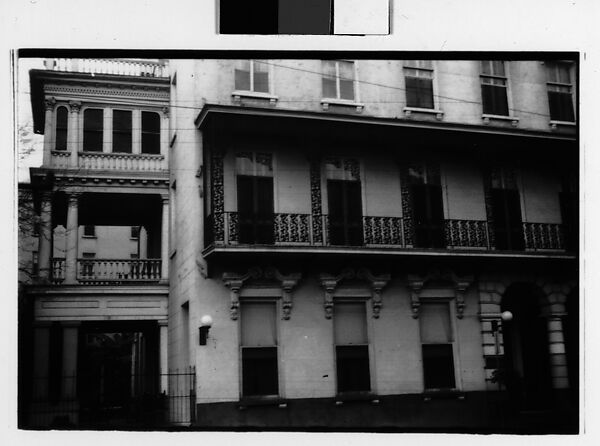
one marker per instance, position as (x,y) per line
(69,365)
(73,133)
(49,104)
(45,237)
(72,239)
(558,358)
(164,239)
(163,356)
(41,343)
(136,131)
(107,130)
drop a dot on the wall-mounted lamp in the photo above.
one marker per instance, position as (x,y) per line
(505,316)
(205,324)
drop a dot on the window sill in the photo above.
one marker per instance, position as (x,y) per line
(326,102)
(443,394)
(489,118)
(254,401)
(409,111)
(349,397)
(239,94)
(555,124)
(89,236)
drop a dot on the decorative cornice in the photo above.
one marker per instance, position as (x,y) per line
(107,90)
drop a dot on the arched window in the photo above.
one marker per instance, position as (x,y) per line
(62,115)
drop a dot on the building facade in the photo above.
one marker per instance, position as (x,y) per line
(353,244)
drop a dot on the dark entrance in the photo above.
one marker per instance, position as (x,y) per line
(528,378)
(118,368)
(571,333)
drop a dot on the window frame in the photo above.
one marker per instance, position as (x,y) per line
(270,95)
(121,132)
(250,297)
(157,134)
(415,65)
(57,129)
(558,84)
(342,298)
(101,131)
(440,299)
(355,102)
(90,235)
(486,116)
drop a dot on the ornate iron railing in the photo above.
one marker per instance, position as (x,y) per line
(297,230)
(466,234)
(543,236)
(111,270)
(127,67)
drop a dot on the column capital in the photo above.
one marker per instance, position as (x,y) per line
(75,106)
(74,198)
(46,195)
(165,111)
(164,199)
(49,103)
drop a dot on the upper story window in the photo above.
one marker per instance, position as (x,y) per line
(255,197)
(62,119)
(93,127)
(344,198)
(339,79)
(89,231)
(252,75)
(418,79)
(121,131)
(150,133)
(427,205)
(505,207)
(560,91)
(494,82)
(437,344)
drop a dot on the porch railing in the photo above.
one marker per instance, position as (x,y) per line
(127,67)
(305,230)
(119,161)
(58,270)
(109,270)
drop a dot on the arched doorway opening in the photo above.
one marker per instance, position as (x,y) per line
(528,378)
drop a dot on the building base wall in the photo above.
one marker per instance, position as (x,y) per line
(471,412)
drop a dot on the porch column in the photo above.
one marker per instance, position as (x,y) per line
(72,238)
(41,344)
(73,133)
(49,104)
(45,237)
(558,358)
(164,239)
(69,366)
(163,356)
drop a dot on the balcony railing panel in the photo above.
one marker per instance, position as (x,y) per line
(127,67)
(121,161)
(58,270)
(466,234)
(386,232)
(543,236)
(118,270)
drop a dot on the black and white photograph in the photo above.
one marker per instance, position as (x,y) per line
(282,221)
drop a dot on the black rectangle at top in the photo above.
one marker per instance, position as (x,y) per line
(275,17)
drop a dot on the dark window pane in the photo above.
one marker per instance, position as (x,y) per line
(506,210)
(570,218)
(259,371)
(150,133)
(329,87)
(494,100)
(242,80)
(55,361)
(61,128)
(428,215)
(261,82)
(92,129)
(347,89)
(89,230)
(353,368)
(561,106)
(122,131)
(419,92)
(438,366)
(345,212)
(255,209)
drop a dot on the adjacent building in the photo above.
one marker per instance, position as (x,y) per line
(353,244)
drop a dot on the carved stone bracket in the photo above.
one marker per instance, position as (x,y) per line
(461,284)
(329,283)
(235,282)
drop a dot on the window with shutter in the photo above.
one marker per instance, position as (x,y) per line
(437,345)
(352,347)
(259,348)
